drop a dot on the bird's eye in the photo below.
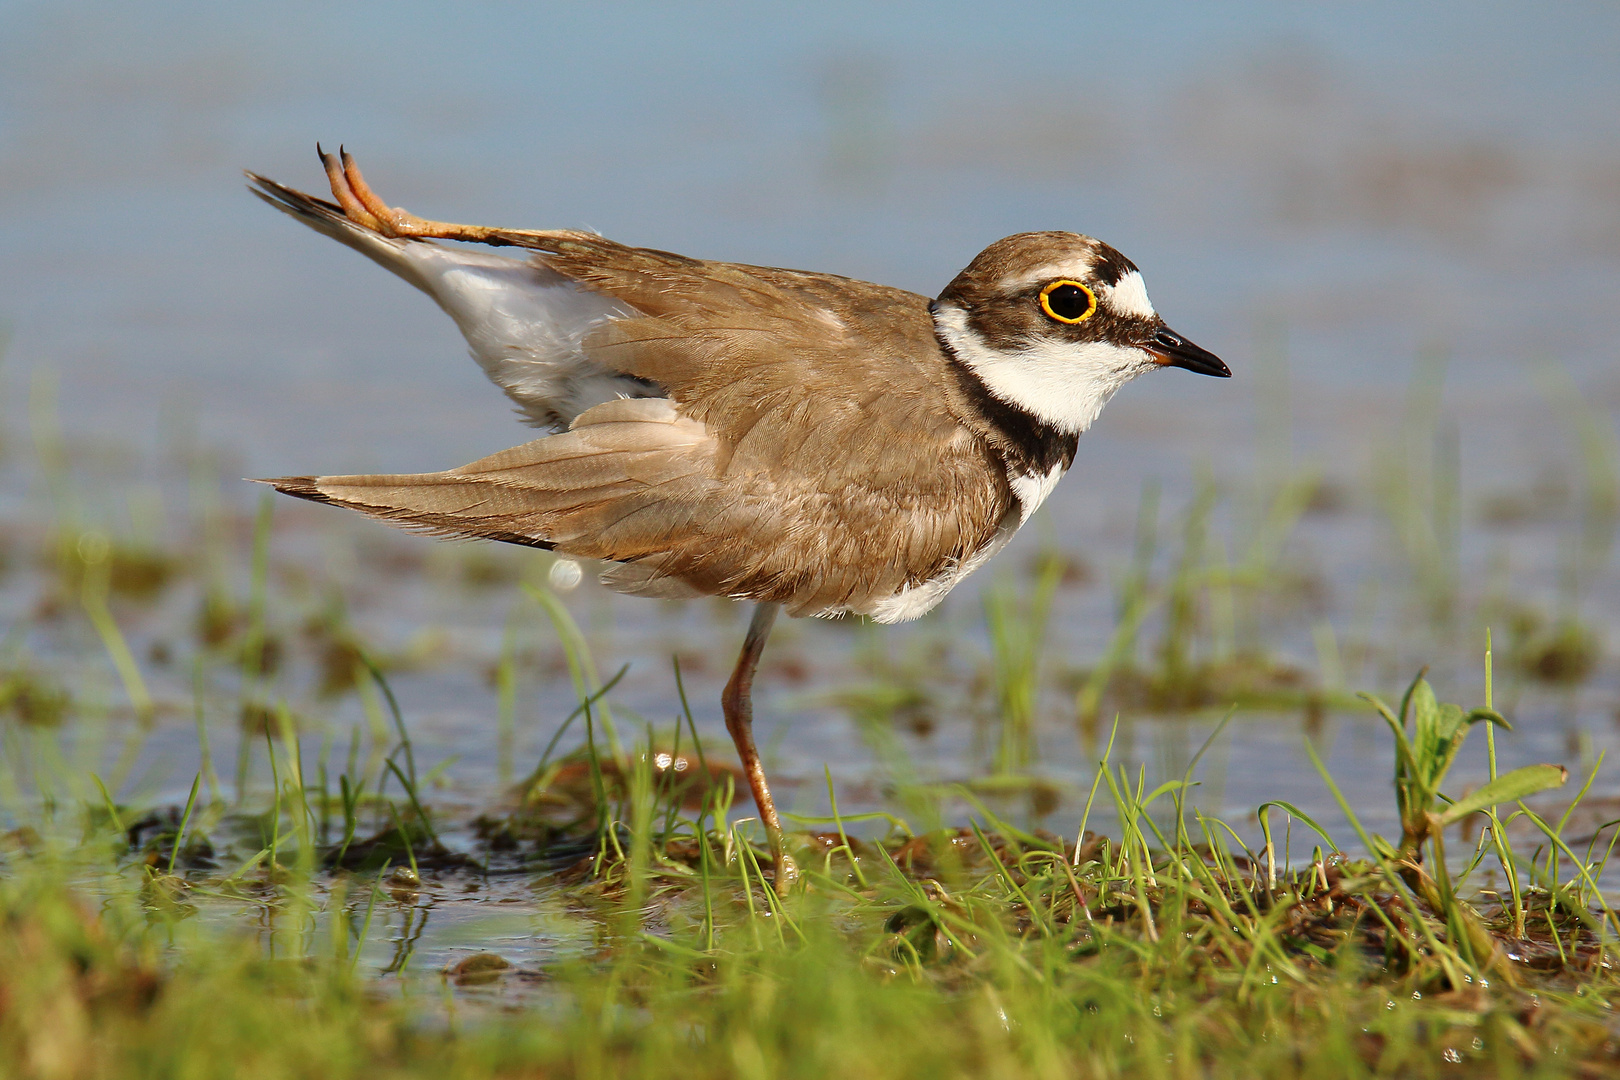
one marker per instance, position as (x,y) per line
(1068,301)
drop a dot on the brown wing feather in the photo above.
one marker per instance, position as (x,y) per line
(814,449)
(635,482)
(552,492)
(835,381)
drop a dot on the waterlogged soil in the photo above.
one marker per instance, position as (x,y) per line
(1402,461)
(483,684)
(483,922)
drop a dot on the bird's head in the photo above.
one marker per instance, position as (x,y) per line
(1053,323)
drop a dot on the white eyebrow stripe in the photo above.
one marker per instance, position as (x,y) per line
(1129,296)
(1069,269)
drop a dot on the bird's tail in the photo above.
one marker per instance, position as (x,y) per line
(391,253)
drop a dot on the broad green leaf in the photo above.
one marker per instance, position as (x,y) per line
(1509,787)
(1453,726)
(1423,702)
(1458,723)
(1425,719)
(1450,719)
(1406,699)
(1454,723)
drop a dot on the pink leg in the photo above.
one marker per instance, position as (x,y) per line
(737,703)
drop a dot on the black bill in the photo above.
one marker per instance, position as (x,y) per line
(1172,350)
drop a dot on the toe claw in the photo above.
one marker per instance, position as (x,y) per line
(391,220)
(362,206)
(341,191)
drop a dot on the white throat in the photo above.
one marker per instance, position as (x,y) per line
(1061,384)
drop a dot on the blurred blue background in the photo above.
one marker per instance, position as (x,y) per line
(1378,176)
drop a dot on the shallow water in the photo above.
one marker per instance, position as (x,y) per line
(1321,201)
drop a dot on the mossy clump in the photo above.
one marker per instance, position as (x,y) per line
(32,698)
(1559,652)
(129,570)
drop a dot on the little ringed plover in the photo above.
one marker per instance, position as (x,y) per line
(800,440)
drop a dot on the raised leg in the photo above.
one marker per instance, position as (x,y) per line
(363,207)
(738,704)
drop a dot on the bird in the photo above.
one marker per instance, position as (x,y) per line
(802,441)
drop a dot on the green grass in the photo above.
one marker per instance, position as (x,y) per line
(290,930)
(1169,949)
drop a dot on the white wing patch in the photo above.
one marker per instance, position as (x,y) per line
(524,325)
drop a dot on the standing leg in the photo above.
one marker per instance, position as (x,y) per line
(738,705)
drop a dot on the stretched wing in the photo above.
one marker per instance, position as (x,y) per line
(809,448)
(637,483)
(524,323)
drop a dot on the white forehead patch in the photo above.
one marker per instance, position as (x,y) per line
(1129,296)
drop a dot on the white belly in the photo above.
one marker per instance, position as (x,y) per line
(914,601)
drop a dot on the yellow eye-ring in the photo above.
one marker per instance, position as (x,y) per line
(1068,301)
